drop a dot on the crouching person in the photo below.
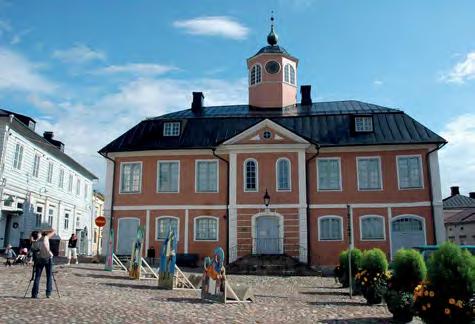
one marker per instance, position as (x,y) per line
(44,259)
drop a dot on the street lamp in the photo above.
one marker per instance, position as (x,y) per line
(266,199)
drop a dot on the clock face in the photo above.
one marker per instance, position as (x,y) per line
(272,67)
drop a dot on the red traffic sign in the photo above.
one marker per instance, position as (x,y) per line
(100,221)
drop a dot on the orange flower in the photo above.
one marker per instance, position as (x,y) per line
(426,293)
(431,293)
(459,303)
(451,301)
(447,311)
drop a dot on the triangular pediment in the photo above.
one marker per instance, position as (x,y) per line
(266,132)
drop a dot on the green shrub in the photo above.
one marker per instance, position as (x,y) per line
(374,261)
(452,269)
(342,274)
(409,270)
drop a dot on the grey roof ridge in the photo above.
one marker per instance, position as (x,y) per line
(44,141)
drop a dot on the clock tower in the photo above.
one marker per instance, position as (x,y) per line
(272,75)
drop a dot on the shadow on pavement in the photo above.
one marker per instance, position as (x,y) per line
(82,268)
(121,285)
(343,303)
(359,320)
(325,293)
(99,276)
(188,300)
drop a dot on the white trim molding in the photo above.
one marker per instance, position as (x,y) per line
(420,166)
(277,175)
(157,218)
(358,158)
(438,212)
(195,219)
(244,175)
(118,229)
(320,218)
(196,176)
(158,176)
(373,205)
(254,229)
(339,175)
(361,218)
(395,218)
(120,178)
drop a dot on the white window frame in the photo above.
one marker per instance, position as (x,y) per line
(157,219)
(70,182)
(50,171)
(66,212)
(140,180)
(195,220)
(244,173)
(51,209)
(169,128)
(18,160)
(320,218)
(217,176)
(78,186)
(40,214)
(380,172)
(361,227)
(339,170)
(36,165)
(250,75)
(61,178)
(420,165)
(288,68)
(364,130)
(86,189)
(158,176)
(277,175)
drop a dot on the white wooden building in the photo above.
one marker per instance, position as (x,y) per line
(41,186)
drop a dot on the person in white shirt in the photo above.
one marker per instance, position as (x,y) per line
(44,259)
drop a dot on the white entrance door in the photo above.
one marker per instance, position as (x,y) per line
(267,240)
(127,234)
(407,232)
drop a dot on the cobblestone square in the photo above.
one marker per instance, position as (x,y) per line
(91,295)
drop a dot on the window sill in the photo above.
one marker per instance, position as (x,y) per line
(373,240)
(129,192)
(363,190)
(408,189)
(284,190)
(168,192)
(330,240)
(196,240)
(329,190)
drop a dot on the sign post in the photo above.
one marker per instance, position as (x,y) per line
(100,222)
(350,277)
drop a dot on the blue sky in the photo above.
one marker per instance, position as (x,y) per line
(89,70)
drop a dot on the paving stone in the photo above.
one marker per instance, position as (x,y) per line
(91,295)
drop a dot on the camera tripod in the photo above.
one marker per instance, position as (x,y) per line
(33,278)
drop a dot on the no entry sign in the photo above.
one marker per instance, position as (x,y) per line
(100,221)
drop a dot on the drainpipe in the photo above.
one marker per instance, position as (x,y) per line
(112,196)
(431,194)
(309,237)
(227,204)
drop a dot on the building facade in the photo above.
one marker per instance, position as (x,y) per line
(41,186)
(98,203)
(275,176)
(459,217)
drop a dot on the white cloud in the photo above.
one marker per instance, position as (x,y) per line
(85,128)
(378,83)
(137,69)
(19,74)
(457,158)
(214,26)
(79,53)
(462,71)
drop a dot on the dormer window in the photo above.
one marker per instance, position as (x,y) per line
(256,74)
(171,129)
(289,74)
(363,124)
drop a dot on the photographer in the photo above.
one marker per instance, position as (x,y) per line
(44,259)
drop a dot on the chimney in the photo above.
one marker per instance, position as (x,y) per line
(48,135)
(306,94)
(472,195)
(454,190)
(197,103)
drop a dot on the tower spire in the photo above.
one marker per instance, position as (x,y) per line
(272,38)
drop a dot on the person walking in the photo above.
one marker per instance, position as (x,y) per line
(44,260)
(72,248)
(9,255)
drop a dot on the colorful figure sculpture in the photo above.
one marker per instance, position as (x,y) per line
(214,277)
(168,261)
(136,257)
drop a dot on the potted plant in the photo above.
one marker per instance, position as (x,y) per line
(372,279)
(408,270)
(342,269)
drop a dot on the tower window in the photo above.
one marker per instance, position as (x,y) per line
(363,124)
(255,76)
(289,74)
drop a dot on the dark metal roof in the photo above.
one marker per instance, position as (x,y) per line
(272,49)
(40,141)
(323,123)
(465,216)
(458,201)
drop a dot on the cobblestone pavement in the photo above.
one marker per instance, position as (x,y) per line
(91,295)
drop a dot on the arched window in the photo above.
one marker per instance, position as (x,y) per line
(289,74)
(283,174)
(372,227)
(163,225)
(255,76)
(250,175)
(330,228)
